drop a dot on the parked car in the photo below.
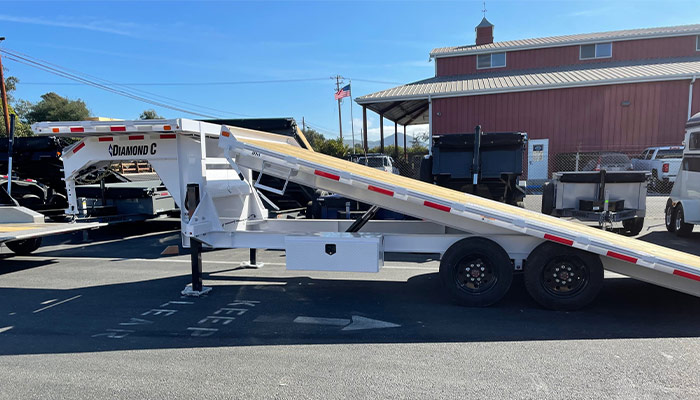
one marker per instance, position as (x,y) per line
(378,161)
(609,162)
(663,163)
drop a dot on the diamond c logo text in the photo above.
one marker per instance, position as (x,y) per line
(116,150)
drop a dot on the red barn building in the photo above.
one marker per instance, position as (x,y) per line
(608,91)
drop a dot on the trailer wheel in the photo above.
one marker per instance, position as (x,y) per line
(670,216)
(476,272)
(563,278)
(24,247)
(633,226)
(682,228)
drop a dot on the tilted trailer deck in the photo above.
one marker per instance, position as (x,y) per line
(208,169)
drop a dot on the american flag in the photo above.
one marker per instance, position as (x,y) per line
(344,92)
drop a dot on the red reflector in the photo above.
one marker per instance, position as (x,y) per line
(664,168)
(117,128)
(168,136)
(686,275)
(558,239)
(106,139)
(380,190)
(136,137)
(622,257)
(165,194)
(77,129)
(327,175)
(78,147)
(436,206)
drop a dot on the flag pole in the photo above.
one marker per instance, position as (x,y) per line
(352,122)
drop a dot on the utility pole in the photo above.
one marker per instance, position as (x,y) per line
(3,93)
(303,125)
(338,82)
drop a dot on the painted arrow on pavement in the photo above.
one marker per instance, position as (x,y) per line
(357,323)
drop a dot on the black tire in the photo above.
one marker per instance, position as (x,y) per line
(581,272)
(670,216)
(633,226)
(548,198)
(30,201)
(24,247)
(476,272)
(682,228)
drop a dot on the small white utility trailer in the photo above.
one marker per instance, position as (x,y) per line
(208,170)
(683,206)
(22,229)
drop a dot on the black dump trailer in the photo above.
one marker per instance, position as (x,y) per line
(37,172)
(486,164)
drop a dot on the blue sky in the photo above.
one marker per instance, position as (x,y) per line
(234,41)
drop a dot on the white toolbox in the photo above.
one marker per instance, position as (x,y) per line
(335,251)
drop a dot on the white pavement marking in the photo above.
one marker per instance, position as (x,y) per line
(5,329)
(321,321)
(356,324)
(360,323)
(55,304)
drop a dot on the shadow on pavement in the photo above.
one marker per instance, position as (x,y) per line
(245,310)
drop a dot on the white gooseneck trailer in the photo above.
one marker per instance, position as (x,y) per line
(208,169)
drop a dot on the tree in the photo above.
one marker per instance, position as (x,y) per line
(332,147)
(150,114)
(21,129)
(53,107)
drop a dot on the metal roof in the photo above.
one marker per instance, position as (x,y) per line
(568,40)
(407,104)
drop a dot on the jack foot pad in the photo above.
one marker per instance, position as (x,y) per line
(195,293)
(247,264)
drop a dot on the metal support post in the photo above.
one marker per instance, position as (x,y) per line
(253,263)
(364,129)
(196,288)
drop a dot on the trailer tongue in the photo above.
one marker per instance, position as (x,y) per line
(208,169)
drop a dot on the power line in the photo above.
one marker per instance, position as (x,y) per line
(66,75)
(108,86)
(217,83)
(213,83)
(224,112)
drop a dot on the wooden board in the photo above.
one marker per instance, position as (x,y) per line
(450,195)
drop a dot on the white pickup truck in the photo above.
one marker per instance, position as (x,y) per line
(663,163)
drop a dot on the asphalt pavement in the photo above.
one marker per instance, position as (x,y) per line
(100,315)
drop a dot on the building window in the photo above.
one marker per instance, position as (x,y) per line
(697,43)
(598,50)
(492,60)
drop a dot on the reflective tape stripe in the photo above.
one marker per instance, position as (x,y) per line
(327,175)
(436,206)
(168,136)
(78,147)
(106,139)
(77,129)
(558,239)
(136,137)
(622,257)
(686,275)
(117,128)
(380,190)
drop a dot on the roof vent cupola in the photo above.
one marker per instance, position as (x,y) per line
(484,32)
